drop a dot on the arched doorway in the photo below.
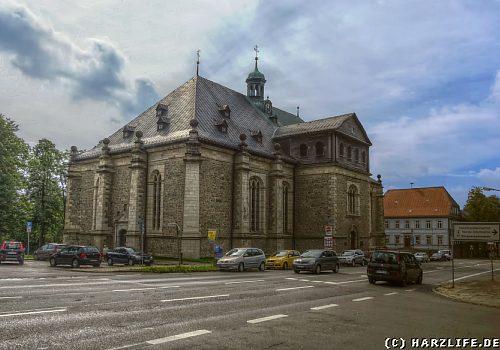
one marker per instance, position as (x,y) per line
(122,238)
(354,240)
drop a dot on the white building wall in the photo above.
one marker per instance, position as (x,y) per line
(438,232)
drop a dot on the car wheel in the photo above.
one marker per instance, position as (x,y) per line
(419,279)
(337,268)
(372,280)
(363,262)
(296,271)
(317,270)
(75,263)
(53,262)
(241,267)
(130,262)
(262,266)
(353,263)
(285,266)
(110,262)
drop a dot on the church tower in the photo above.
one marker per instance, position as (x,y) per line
(255,82)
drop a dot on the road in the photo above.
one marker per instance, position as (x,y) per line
(59,308)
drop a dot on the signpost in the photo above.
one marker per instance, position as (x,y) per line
(328,240)
(29,227)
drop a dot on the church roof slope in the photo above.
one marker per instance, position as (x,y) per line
(418,202)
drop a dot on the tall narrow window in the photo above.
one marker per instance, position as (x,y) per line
(352,198)
(349,152)
(156,200)
(356,155)
(341,149)
(94,214)
(320,149)
(255,203)
(303,150)
(285,208)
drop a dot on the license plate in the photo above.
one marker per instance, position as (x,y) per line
(381,272)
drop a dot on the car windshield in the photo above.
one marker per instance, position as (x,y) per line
(384,257)
(281,253)
(312,254)
(235,252)
(436,254)
(90,250)
(348,252)
(12,245)
(132,251)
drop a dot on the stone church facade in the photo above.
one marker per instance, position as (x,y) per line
(207,158)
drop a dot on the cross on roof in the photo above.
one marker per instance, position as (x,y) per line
(256,49)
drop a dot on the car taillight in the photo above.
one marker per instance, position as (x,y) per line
(3,246)
(21,246)
(83,256)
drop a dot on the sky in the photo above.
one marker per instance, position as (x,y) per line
(422,76)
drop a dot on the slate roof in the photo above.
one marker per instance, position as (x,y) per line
(201,99)
(418,202)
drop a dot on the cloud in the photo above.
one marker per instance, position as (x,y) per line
(95,73)
(490,177)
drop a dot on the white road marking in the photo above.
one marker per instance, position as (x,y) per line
(268,318)
(249,281)
(324,307)
(125,346)
(139,289)
(178,337)
(393,293)
(291,288)
(476,274)
(409,290)
(196,298)
(317,281)
(291,278)
(344,282)
(17,297)
(304,280)
(33,312)
(362,299)
(365,276)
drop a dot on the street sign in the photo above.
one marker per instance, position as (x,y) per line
(212,235)
(328,242)
(328,230)
(219,251)
(29,226)
(477,231)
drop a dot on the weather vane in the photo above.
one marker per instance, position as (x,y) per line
(256,49)
(197,61)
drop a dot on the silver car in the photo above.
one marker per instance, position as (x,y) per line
(242,258)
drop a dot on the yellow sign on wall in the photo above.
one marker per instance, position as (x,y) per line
(212,235)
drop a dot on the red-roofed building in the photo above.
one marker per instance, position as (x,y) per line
(419,218)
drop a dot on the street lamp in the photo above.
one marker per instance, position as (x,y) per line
(177,230)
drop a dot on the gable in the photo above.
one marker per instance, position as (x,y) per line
(352,128)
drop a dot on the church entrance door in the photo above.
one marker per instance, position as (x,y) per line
(122,238)
(353,240)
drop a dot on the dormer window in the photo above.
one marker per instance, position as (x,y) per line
(162,123)
(161,110)
(128,131)
(257,135)
(225,111)
(222,126)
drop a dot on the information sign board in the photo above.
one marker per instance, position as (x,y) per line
(477,231)
(212,235)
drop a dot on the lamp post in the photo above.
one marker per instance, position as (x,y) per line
(177,230)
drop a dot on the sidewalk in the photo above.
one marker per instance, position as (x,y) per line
(485,292)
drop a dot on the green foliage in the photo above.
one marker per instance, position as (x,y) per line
(480,207)
(176,268)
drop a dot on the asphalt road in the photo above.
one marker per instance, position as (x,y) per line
(59,308)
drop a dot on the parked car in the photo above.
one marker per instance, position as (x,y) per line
(353,257)
(421,257)
(394,266)
(45,251)
(127,255)
(242,258)
(438,257)
(446,253)
(12,251)
(76,255)
(282,259)
(317,260)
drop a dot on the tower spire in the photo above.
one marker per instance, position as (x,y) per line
(256,49)
(198,62)
(256,81)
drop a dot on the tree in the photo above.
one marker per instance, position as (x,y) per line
(46,188)
(14,207)
(480,207)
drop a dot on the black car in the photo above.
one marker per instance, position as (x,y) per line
(317,260)
(12,251)
(76,255)
(45,251)
(127,255)
(394,266)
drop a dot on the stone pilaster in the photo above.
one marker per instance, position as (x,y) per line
(191,234)
(72,214)
(137,201)
(276,229)
(241,210)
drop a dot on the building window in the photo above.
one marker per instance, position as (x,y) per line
(428,240)
(320,149)
(352,200)
(407,224)
(255,204)
(363,157)
(417,239)
(428,224)
(303,150)
(397,223)
(94,213)
(356,155)
(417,223)
(440,240)
(439,224)
(156,200)
(396,239)
(285,207)
(386,223)
(341,149)
(349,152)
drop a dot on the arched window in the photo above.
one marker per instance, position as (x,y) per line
(303,150)
(352,200)
(94,212)
(320,149)
(285,207)
(356,155)
(349,152)
(341,149)
(156,200)
(255,204)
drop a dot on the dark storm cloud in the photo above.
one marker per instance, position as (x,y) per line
(95,74)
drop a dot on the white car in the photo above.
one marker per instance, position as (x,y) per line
(421,257)
(242,259)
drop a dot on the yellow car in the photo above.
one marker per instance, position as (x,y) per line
(282,259)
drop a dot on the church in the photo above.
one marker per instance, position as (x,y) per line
(207,166)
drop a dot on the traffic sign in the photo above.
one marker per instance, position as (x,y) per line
(212,235)
(328,230)
(328,242)
(477,231)
(29,226)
